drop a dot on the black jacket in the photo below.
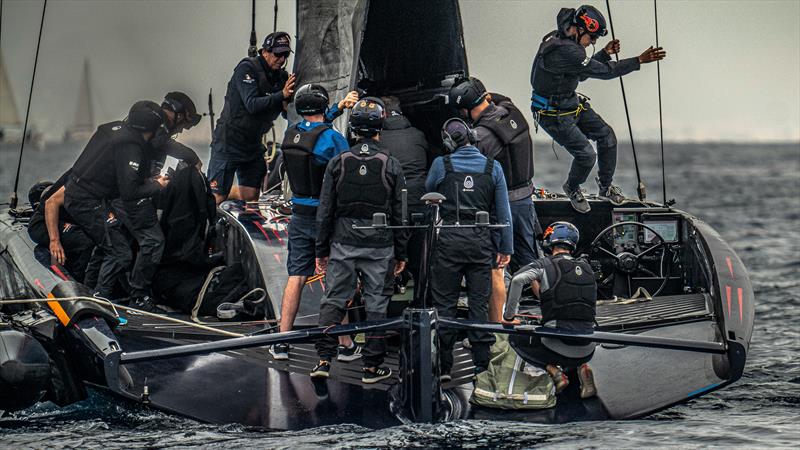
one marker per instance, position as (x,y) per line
(409,146)
(110,166)
(331,227)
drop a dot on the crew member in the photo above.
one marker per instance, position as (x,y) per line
(504,135)
(68,243)
(357,184)
(139,215)
(307,148)
(408,144)
(559,65)
(107,169)
(470,182)
(258,92)
(567,290)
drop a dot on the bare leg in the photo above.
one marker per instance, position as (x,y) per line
(498,295)
(291,301)
(249,194)
(220,198)
(346,340)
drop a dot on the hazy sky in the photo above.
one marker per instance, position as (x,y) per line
(732,70)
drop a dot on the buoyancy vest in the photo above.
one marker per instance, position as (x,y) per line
(573,290)
(236,125)
(547,82)
(94,170)
(512,130)
(305,175)
(363,188)
(466,193)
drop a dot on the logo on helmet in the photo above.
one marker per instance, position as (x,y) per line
(458,100)
(362,170)
(296,138)
(592,25)
(469,183)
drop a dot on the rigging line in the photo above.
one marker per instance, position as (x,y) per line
(641,190)
(660,120)
(28,110)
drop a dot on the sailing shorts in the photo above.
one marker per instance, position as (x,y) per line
(302,245)
(221,171)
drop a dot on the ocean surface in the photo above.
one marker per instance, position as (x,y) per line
(750,193)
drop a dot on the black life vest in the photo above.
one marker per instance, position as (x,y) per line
(236,125)
(305,175)
(94,170)
(363,188)
(547,82)
(466,193)
(512,130)
(572,294)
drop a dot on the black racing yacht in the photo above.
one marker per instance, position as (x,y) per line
(674,319)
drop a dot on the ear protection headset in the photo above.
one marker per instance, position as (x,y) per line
(269,43)
(451,142)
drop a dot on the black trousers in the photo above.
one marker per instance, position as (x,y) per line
(113,253)
(573,133)
(455,260)
(141,220)
(77,245)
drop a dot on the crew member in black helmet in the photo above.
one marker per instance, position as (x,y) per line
(504,135)
(357,184)
(568,292)
(139,215)
(307,148)
(559,65)
(109,168)
(471,182)
(259,91)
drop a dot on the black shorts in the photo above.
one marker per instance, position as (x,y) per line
(248,173)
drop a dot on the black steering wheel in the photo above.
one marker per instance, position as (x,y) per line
(627,256)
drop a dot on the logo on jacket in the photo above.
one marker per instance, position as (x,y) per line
(578,271)
(296,138)
(248,79)
(112,219)
(362,170)
(134,165)
(469,183)
(513,124)
(365,148)
(116,128)
(213,184)
(586,61)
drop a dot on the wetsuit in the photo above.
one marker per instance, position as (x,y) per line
(474,183)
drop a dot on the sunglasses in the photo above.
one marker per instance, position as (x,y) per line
(282,55)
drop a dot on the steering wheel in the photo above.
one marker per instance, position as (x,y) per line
(627,256)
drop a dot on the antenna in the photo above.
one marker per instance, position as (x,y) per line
(660,120)
(14,199)
(252,51)
(211,110)
(275,19)
(641,190)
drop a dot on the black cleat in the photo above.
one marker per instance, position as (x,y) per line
(611,193)
(145,304)
(578,201)
(321,370)
(375,374)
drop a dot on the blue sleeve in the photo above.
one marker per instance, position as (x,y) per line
(332,113)
(247,85)
(503,210)
(435,175)
(330,144)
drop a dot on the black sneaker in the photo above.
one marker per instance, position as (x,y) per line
(348,354)
(279,352)
(611,193)
(145,304)
(379,373)
(321,370)
(576,198)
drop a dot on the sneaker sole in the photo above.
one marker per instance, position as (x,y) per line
(348,358)
(320,374)
(280,356)
(376,379)
(612,201)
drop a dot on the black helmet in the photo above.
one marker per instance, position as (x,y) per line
(456,133)
(311,99)
(561,233)
(590,19)
(467,93)
(367,116)
(180,103)
(145,116)
(35,194)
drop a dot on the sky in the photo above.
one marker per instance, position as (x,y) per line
(732,71)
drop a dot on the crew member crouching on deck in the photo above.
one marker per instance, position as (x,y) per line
(567,290)
(357,184)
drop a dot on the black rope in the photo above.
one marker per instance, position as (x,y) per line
(275,19)
(28,110)
(660,120)
(252,50)
(641,190)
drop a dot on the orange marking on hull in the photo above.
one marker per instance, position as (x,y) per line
(58,310)
(728,294)
(730,266)
(277,257)
(741,312)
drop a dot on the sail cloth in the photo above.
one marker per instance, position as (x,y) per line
(9,116)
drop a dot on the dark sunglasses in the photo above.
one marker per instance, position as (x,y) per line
(282,55)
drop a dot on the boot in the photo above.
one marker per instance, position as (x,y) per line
(559,379)
(586,377)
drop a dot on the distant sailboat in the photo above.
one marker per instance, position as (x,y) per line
(10,123)
(84,126)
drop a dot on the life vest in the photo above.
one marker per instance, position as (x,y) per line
(573,291)
(94,170)
(305,175)
(466,193)
(512,130)
(363,188)
(545,81)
